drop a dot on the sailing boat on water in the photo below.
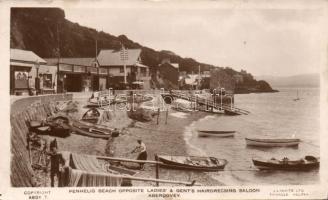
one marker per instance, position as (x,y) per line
(297,98)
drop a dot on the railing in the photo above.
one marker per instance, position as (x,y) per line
(208,102)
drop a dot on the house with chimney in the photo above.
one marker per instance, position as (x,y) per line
(125,68)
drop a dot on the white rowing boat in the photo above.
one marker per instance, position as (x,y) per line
(272,142)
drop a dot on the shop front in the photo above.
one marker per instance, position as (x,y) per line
(77,78)
(20,79)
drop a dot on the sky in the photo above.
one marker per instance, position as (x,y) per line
(277,42)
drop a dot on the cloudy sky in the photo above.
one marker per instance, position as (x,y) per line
(278,42)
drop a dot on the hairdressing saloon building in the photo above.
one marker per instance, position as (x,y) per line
(30,73)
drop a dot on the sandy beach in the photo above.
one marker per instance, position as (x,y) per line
(162,138)
(165,139)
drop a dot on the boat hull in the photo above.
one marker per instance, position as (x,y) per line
(272,142)
(263,165)
(230,112)
(89,132)
(220,164)
(215,133)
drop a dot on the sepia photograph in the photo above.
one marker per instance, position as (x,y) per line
(203,96)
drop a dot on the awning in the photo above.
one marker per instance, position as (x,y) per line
(141,65)
(22,64)
(13,63)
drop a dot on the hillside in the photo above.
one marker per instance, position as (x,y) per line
(42,29)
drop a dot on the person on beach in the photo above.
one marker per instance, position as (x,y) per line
(56,163)
(143,152)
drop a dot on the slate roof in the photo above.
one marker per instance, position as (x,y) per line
(110,57)
(25,56)
(71,61)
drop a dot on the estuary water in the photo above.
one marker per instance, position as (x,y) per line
(272,115)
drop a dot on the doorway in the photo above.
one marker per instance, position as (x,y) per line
(73,83)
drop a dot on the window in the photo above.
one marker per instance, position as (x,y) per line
(121,69)
(47,80)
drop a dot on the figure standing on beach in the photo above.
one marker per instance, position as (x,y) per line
(56,163)
(143,152)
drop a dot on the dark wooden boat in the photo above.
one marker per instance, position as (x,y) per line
(180,109)
(230,112)
(91,116)
(81,129)
(209,133)
(306,163)
(98,104)
(193,163)
(54,126)
(59,127)
(272,142)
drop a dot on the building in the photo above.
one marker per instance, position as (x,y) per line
(238,78)
(169,71)
(137,74)
(220,79)
(191,81)
(79,74)
(30,73)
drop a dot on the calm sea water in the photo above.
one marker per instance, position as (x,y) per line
(273,115)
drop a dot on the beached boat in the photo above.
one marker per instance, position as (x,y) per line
(306,163)
(209,133)
(81,129)
(231,112)
(91,116)
(88,170)
(54,126)
(179,109)
(98,171)
(272,142)
(193,163)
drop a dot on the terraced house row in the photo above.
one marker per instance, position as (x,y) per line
(29,73)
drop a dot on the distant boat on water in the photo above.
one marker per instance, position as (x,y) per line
(297,97)
(272,142)
(306,163)
(212,133)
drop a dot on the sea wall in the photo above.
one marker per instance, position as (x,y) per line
(22,111)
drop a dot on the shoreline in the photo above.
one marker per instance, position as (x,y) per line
(167,139)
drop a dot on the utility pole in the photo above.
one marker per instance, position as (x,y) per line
(199,77)
(96,50)
(124,57)
(58,58)
(97,65)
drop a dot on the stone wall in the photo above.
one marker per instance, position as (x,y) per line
(22,111)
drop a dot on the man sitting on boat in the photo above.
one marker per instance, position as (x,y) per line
(143,152)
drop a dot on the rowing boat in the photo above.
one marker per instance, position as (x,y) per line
(92,115)
(272,142)
(192,163)
(209,133)
(81,129)
(231,112)
(306,163)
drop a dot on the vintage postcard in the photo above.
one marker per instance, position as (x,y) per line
(164,100)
